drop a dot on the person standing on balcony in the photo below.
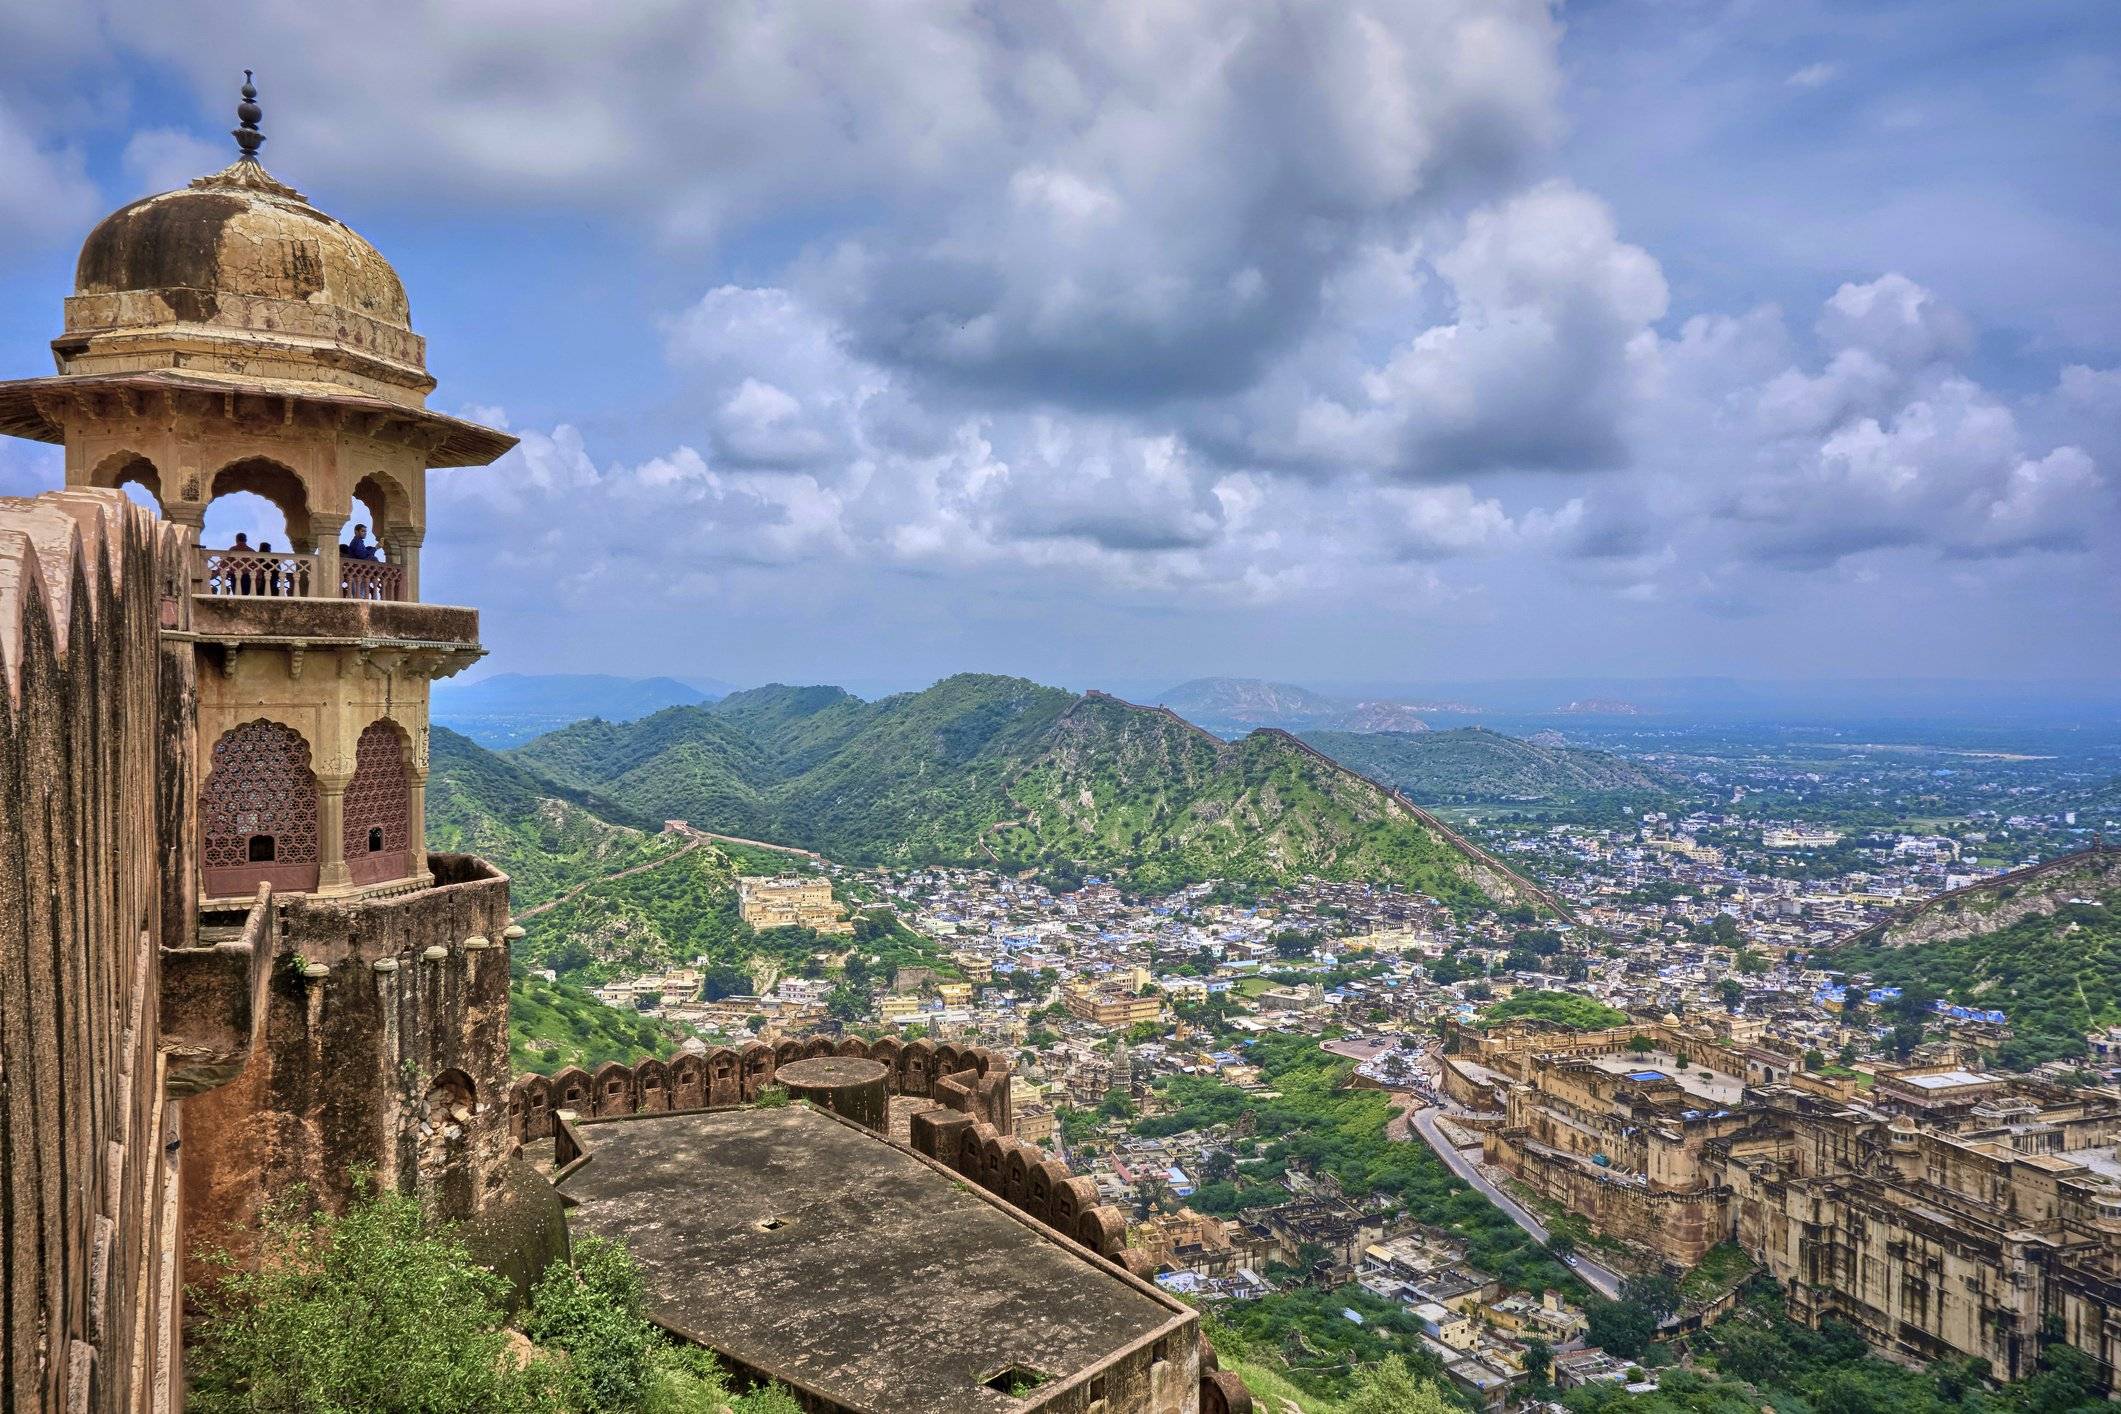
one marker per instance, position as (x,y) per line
(269,580)
(238,577)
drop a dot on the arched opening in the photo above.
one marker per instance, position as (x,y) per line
(378,811)
(133,474)
(256,535)
(366,569)
(384,504)
(258,812)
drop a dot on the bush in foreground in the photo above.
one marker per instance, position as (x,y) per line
(379,1309)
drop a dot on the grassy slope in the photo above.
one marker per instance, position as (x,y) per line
(557,1024)
(1119,788)
(546,837)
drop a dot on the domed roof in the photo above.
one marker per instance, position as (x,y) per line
(238,232)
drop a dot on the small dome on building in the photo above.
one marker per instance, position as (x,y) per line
(238,233)
(1670,1018)
(237,278)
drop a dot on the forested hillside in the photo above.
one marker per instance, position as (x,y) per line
(2043,947)
(545,836)
(982,769)
(1475,766)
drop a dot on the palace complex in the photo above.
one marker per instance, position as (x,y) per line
(1942,1212)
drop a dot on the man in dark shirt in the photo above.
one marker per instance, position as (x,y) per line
(359,548)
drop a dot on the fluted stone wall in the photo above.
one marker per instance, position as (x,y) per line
(87,1176)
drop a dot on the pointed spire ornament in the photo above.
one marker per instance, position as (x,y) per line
(248,138)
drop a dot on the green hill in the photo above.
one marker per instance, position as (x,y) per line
(545,836)
(980,769)
(2042,945)
(555,1024)
(1475,766)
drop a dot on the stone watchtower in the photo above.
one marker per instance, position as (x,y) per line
(230,337)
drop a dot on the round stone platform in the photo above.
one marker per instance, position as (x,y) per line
(849,1086)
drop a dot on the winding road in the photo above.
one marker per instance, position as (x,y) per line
(1416,1113)
(1595,1274)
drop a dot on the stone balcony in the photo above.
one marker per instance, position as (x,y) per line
(439,639)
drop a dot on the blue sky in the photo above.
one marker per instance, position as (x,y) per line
(1130,342)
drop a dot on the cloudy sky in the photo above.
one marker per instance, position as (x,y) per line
(1125,342)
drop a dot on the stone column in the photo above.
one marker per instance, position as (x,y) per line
(193,514)
(332,872)
(401,547)
(416,820)
(328,531)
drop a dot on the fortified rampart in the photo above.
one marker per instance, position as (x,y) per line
(973,1079)
(969,1128)
(108,1015)
(385,1046)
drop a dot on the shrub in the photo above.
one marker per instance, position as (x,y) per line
(372,1310)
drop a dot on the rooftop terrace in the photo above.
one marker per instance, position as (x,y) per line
(803,1247)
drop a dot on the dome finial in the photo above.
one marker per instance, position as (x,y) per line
(248,138)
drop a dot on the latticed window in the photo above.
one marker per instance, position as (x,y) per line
(379,798)
(258,812)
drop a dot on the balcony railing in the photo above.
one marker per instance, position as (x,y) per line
(292,576)
(370,579)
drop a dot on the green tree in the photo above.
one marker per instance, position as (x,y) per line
(591,1309)
(1731,992)
(1659,1295)
(1391,1387)
(725,980)
(1620,1328)
(1640,1044)
(366,1311)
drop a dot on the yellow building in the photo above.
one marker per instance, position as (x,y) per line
(1110,1007)
(797,902)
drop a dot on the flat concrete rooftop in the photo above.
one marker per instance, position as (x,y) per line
(803,1246)
(1718,1090)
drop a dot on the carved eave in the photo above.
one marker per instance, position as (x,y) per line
(40,410)
(400,658)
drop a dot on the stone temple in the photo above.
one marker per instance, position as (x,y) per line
(229,965)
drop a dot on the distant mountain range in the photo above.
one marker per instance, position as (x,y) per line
(980,769)
(1232,706)
(1475,766)
(508,709)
